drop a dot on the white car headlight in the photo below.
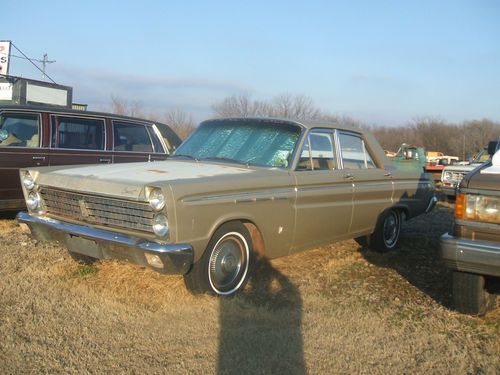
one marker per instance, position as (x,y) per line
(157,199)
(447,176)
(28,181)
(160,225)
(478,208)
(33,201)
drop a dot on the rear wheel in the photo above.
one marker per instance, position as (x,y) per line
(386,234)
(225,266)
(470,295)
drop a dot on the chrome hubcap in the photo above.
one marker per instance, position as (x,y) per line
(226,263)
(391,229)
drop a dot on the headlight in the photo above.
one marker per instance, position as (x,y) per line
(160,225)
(157,199)
(28,181)
(447,176)
(33,201)
(477,208)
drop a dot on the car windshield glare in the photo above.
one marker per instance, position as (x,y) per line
(249,142)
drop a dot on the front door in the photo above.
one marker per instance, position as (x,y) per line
(323,205)
(20,137)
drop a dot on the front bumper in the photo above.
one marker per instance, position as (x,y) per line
(478,257)
(104,244)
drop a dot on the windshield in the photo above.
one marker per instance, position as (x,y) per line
(242,141)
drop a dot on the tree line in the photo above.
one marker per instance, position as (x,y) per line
(462,139)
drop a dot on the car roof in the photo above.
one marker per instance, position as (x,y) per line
(306,124)
(56,109)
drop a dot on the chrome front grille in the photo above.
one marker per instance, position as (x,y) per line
(98,210)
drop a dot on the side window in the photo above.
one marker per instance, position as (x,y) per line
(131,137)
(318,152)
(77,133)
(19,130)
(354,153)
(156,142)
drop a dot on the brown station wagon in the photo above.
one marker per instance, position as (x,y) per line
(235,190)
(472,250)
(47,136)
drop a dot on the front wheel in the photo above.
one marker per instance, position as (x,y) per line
(225,266)
(470,295)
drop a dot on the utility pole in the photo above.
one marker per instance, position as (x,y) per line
(44,62)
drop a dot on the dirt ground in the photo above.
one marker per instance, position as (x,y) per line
(334,309)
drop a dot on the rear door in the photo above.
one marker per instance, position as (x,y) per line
(78,140)
(136,142)
(20,146)
(373,186)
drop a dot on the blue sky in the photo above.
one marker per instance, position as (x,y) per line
(382,62)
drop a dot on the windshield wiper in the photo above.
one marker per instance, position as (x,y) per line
(182,156)
(229,160)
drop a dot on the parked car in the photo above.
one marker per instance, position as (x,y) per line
(453,174)
(47,136)
(473,249)
(236,189)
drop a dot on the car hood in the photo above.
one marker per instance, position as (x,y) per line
(129,179)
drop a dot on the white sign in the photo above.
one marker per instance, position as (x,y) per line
(5,91)
(46,95)
(4,57)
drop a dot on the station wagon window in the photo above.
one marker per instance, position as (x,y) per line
(156,141)
(19,130)
(318,152)
(131,137)
(77,133)
(354,153)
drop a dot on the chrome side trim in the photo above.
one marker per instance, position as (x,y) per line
(176,258)
(432,203)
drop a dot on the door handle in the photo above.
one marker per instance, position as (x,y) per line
(42,158)
(104,160)
(388,174)
(348,176)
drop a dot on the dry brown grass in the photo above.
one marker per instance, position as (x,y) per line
(335,309)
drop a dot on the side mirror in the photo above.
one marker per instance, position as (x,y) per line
(493,147)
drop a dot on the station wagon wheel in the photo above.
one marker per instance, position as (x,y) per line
(470,295)
(387,232)
(226,263)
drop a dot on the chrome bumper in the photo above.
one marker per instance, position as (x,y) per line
(471,256)
(103,244)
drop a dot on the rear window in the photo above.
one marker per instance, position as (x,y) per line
(131,137)
(77,133)
(19,130)
(354,153)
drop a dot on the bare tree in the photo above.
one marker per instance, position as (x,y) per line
(180,122)
(121,106)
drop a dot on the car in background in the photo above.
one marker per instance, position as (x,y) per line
(472,251)
(32,136)
(235,190)
(453,174)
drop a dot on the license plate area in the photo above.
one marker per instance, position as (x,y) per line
(83,246)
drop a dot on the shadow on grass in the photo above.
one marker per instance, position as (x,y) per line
(418,259)
(260,329)
(8,215)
